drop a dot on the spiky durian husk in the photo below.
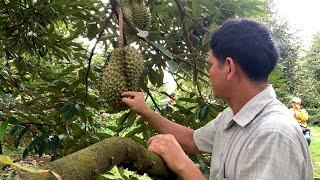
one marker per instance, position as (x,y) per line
(121,73)
(138,14)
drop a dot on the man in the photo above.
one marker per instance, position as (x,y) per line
(255,138)
(301,116)
(169,102)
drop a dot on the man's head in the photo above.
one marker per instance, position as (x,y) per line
(296,103)
(248,46)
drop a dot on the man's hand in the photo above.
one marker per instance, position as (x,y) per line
(135,100)
(171,152)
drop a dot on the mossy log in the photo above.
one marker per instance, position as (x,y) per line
(88,163)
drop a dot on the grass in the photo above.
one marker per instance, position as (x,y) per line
(315,149)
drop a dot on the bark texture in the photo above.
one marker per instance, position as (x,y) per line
(88,163)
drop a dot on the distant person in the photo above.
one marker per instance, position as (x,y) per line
(301,116)
(168,103)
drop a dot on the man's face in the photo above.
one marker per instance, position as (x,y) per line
(295,105)
(217,76)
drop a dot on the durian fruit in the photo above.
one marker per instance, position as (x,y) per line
(138,14)
(121,73)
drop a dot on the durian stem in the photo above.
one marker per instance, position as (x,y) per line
(121,39)
(120,19)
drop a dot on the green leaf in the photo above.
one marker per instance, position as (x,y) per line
(16,141)
(123,118)
(163,49)
(182,109)
(173,66)
(203,113)
(190,100)
(2,91)
(131,118)
(103,135)
(134,132)
(6,160)
(68,70)
(13,120)
(31,170)
(142,33)
(3,129)
(72,110)
(196,9)
(160,78)
(92,31)
(205,38)
(152,76)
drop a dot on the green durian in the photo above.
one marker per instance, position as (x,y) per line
(138,14)
(121,73)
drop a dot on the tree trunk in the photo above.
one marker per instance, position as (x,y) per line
(88,163)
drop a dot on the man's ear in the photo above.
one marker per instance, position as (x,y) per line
(231,68)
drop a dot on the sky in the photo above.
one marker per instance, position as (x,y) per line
(302,16)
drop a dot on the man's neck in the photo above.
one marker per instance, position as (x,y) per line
(244,94)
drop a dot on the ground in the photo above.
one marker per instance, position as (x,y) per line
(315,149)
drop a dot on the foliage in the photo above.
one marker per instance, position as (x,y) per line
(283,77)
(43,73)
(45,56)
(44,61)
(308,79)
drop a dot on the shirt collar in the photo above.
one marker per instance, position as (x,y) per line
(249,111)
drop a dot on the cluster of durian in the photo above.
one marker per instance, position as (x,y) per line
(121,73)
(139,15)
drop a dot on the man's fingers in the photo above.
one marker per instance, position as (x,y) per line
(158,148)
(129,94)
(154,138)
(126,100)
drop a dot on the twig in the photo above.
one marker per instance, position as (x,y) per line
(152,99)
(6,118)
(176,81)
(189,44)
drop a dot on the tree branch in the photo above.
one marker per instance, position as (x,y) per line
(4,117)
(88,163)
(175,80)
(189,44)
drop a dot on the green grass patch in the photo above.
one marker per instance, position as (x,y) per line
(315,149)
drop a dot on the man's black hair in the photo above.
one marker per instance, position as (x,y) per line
(250,44)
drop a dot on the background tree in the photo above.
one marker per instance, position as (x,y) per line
(307,74)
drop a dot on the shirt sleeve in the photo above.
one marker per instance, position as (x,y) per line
(204,136)
(272,155)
